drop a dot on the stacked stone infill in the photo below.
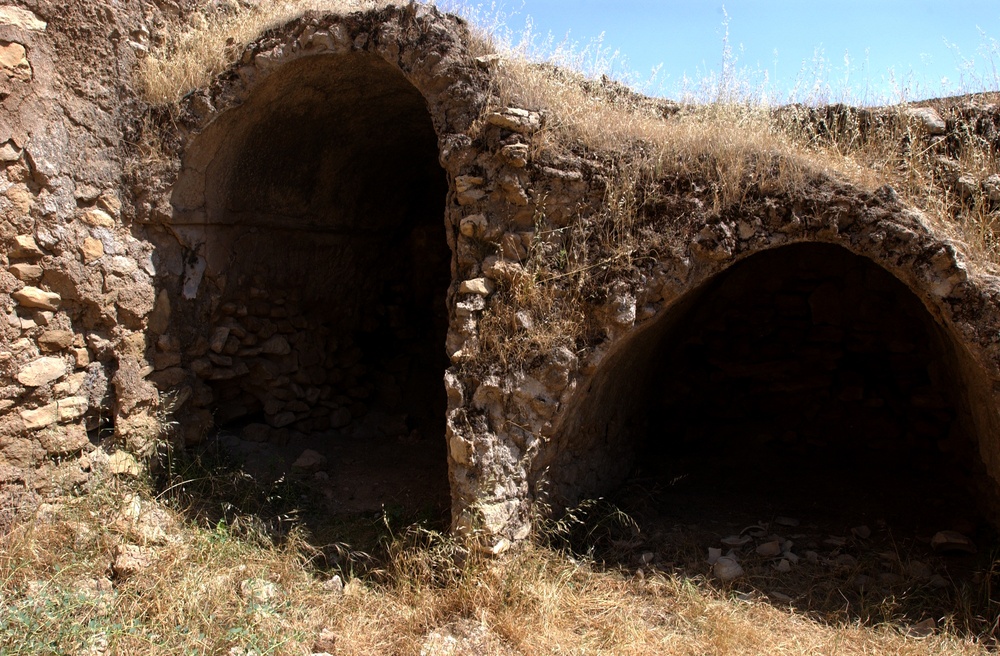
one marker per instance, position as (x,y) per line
(270,370)
(74,287)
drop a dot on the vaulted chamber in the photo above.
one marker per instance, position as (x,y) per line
(799,374)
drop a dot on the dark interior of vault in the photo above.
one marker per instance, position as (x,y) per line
(808,381)
(326,350)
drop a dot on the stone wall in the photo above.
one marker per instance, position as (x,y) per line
(75,284)
(338,217)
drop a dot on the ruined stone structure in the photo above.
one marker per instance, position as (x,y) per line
(341,211)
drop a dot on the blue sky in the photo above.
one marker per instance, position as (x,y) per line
(792,50)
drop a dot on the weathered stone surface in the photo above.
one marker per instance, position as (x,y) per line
(97,218)
(91,250)
(159,319)
(55,340)
(9,152)
(26,272)
(315,340)
(991,187)
(63,440)
(123,463)
(309,461)
(33,297)
(478,286)
(132,559)
(41,371)
(22,18)
(276,345)
(473,226)
(14,61)
(40,417)
(516,119)
(218,339)
(928,119)
(24,246)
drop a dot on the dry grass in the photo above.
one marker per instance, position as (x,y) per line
(212,40)
(197,597)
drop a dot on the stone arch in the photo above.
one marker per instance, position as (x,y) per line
(312,207)
(594,440)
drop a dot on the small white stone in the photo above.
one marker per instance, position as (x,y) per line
(478,286)
(309,461)
(727,568)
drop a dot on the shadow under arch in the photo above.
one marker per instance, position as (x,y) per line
(314,314)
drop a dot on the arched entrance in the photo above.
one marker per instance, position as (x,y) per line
(317,207)
(801,377)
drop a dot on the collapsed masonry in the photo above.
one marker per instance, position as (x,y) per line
(343,214)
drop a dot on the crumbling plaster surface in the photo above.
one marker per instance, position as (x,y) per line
(515,434)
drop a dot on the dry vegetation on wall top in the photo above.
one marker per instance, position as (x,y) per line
(727,150)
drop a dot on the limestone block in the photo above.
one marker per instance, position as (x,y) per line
(14,60)
(132,559)
(91,250)
(478,286)
(123,463)
(24,247)
(110,203)
(34,297)
(72,407)
(9,152)
(928,119)
(97,218)
(217,342)
(55,340)
(22,18)
(82,357)
(276,345)
(26,272)
(71,385)
(515,155)
(309,461)
(159,318)
(41,371)
(516,120)
(40,417)
(473,226)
